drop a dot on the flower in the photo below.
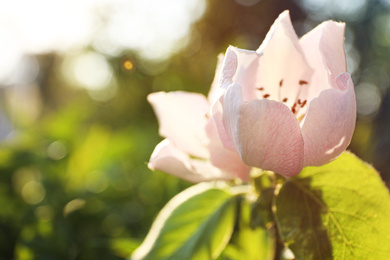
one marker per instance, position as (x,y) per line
(192,149)
(291,103)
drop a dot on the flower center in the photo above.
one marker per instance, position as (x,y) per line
(298,108)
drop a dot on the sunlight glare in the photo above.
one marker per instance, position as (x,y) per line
(152,28)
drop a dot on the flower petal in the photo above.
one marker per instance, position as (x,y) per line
(324,48)
(283,72)
(246,73)
(330,122)
(212,96)
(266,134)
(213,92)
(229,68)
(332,49)
(223,158)
(217,113)
(167,158)
(241,66)
(182,119)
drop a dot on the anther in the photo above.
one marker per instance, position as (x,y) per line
(266,95)
(285,99)
(293,108)
(299,101)
(261,88)
(303,103)
(280,83)
(303,82)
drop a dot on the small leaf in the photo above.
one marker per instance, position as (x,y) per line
(195,224)
(340,210)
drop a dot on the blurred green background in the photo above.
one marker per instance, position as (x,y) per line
(76,130)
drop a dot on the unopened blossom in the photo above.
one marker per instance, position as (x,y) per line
(192,149)
(289,104)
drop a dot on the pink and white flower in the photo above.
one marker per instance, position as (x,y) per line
(288,105)
(291,103)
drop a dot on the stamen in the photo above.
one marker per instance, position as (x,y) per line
(301,117)
(303,82)
(285,100)
(293,108)
(261,88)
(280,85)
(303,103)
(266,95)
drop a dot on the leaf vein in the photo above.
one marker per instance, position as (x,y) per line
(324,206)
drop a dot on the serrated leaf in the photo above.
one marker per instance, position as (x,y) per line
(195,224)
(337,211)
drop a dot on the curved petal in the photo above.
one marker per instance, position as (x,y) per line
(182,119)
(332,49)
(167,158)
(266,133)
(324,49)
(212,96)
(239,66)
(330,122)
(217,113)
(246,73)
(228,70)
(283,71)
(225,159)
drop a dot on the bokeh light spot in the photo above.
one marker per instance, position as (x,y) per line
(368,99)
(73,205)
(351,10)
(56,150)
(89,70)
(33,192)
(44,213)
(128,65)
(23,252)
(24,175)
(96,182)
(247,2)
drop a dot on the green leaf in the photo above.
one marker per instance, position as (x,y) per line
(195,224)
(123,247)
(340,210)
(250,242)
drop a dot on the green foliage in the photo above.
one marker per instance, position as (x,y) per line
(74,182)
(196,224)
(250,242)
(76,188)
(337,211)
